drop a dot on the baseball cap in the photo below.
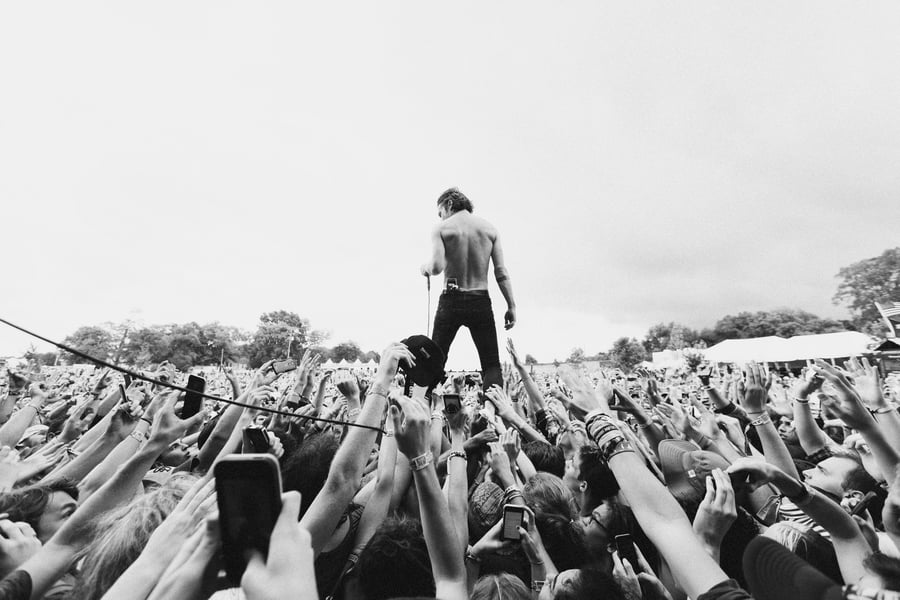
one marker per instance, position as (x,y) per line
(775,573)
(429,368)
(685,468)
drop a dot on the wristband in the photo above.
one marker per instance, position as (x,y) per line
(726,410)
(763,420)
(457,454)
(420,462)
(883,410)
(137,435)
(470,555)
(147,421)
(376,390)
(803,498)
(437,415)
(800,400)
(537,585)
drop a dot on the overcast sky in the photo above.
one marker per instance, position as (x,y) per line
(644,162)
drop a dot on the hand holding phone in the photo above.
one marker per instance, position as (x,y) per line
(193,400)
(515,516)
(248,493)
(625,548)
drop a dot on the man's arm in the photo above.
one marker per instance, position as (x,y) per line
(438,261)
(502,277)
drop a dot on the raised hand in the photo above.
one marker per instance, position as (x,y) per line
(868,384)
(717,510)
(391,358)
(412,426)
(167,427)
(18,543)
(513,355)
(847,404)
(755,394)
(288,571)
(501,402)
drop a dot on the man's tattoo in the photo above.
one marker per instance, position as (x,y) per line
(502,277)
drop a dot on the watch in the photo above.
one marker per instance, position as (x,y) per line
(420,462)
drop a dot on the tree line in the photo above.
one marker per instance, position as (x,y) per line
(861,284)
(279,334)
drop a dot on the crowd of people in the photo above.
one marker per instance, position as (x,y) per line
(724,483)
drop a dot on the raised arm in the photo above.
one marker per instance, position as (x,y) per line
(501,274)
(774,449)
(411,428)
(850,545)
(350,460)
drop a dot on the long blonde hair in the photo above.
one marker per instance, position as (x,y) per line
(119,537)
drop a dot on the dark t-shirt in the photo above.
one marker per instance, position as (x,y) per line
(727,590)
(16,586)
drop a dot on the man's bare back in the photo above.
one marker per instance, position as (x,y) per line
(468,246)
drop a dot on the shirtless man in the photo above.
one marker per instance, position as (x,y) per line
(464,246)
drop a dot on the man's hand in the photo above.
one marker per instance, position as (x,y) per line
(755,395)
(509,319)
(412,426)
(847,404)
(288,571)
(717,510)
(513,355)
(390,362)
(18,543)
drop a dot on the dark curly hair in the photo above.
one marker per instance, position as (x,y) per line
(395,562)
(29,503)
(455,200)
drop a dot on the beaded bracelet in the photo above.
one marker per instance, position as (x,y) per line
(457,454)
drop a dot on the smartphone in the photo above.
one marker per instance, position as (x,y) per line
(283,366)
(193,399)
(452,404)
(256,440)
(127,379)
(863,504)
(625,548)
(248,493)
(514,516)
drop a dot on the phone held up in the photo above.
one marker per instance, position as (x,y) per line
(248,493)
(256,440)
(514,516)
(283,366)
(625,548)
(452,404)
(193,399)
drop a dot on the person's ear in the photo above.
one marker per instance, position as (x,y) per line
(582,487)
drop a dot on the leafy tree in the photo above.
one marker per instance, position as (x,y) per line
(145,346)
(348,351)
(784,322)
(92,340)
(276,331)
(866,282)
(626,353)
(576,356)
(530,360)
(669,336)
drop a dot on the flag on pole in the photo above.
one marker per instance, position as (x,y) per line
(890,312)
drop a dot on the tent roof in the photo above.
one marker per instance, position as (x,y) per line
(800,347)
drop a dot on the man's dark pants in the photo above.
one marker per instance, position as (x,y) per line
(471,309)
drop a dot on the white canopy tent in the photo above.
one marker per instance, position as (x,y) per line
(802,347)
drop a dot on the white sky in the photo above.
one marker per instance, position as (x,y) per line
(176,161)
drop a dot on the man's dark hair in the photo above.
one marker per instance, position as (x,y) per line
(307,468)
(395,562)
(601,482)
(545,457)
(455,200)
(859,479)
(591,584)
(29,503)
(886,567)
